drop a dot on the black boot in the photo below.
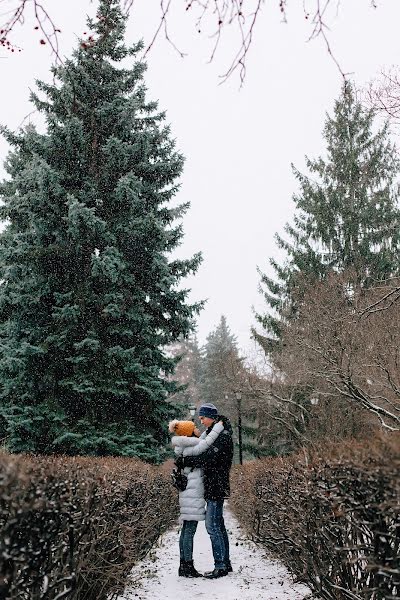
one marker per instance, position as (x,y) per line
(183,568)
(228,566)
(186,569)
(191,570)
(216,574)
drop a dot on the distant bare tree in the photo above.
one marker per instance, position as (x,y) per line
(345,343)
(291,414)
(383,94)
(187,373)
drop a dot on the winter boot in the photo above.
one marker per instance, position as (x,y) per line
(191,570)
(216,574)
(228,566)
(183,569)
(186,569)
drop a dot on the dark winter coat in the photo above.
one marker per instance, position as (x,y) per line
(216,463)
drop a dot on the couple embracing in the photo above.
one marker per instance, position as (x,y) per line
(206,460)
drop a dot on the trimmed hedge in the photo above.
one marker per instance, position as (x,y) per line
(332,519)
(74,527)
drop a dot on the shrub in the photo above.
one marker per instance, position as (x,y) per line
(73,527)
(332,518)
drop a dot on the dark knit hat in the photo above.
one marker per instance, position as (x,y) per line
(208,410)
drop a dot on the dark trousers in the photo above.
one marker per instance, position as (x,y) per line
(186,540)
(216,529)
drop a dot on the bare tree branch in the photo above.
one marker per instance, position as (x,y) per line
(348,347)
(383,94)
(44,25)
(214,18)
(165,7)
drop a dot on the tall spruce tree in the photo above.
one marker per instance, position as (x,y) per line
(89,298)
(347,214)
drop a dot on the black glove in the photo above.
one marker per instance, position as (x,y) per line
(180,462)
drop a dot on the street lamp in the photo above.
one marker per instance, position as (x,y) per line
(239,410)
(192,410)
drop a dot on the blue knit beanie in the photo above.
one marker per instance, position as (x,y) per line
(208,410)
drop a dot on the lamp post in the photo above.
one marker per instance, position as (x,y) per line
(192,410)
(239,410)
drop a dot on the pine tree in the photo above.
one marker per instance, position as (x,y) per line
(221,366)
(347,214)
(225,382)
(222,371)
(89,298)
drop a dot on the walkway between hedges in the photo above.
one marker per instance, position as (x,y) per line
(255,576)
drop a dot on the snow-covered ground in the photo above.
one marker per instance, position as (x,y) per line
(255,576)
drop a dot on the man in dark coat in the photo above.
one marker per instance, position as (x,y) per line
(216,463)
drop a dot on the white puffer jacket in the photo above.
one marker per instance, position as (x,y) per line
(191,501)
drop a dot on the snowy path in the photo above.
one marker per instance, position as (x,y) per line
(255,577)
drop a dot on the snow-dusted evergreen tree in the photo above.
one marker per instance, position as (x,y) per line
(222,366)
(347,213)
(89,298)
(223,376)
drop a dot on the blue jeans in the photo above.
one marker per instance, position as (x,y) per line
(186,540)
(216,529)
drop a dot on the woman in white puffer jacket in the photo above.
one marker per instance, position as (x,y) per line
(191,500)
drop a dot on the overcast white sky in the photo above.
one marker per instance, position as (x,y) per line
(239,144)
